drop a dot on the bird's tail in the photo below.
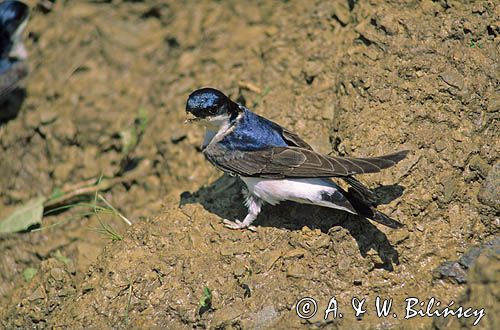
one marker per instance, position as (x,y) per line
(368,210)
(365,165)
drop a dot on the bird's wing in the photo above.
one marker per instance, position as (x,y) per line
(293,139)
(288,162)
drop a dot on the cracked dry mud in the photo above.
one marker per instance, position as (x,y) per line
(353,78)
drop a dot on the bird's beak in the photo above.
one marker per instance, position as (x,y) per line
(190,118)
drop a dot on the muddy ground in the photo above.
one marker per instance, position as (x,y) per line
(357,78)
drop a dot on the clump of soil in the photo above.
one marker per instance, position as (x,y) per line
(353,78)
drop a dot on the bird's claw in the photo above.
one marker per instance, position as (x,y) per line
(237,224)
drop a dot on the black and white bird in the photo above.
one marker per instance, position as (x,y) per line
(277,165)
(13,19)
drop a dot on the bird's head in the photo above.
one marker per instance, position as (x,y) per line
(210,107)
(13,18)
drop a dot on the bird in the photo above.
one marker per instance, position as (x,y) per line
(13,20)
(277,165)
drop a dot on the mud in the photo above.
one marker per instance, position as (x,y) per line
(353,78)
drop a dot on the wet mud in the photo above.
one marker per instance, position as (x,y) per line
(354,78)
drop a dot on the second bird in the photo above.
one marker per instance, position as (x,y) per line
(13,19)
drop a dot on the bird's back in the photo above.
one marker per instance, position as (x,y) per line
(252,132)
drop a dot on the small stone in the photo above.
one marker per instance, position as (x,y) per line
(440,145)
(47,117)
(450,185)
(372,53)
(269,258)
(493,103)
(38,293)
(452,271)
(389,24)
(295,270)
(239,270)
(375,258)
(224,316)
(453,78)
(341,12)
(479,165)
(467,260)
(313,68)
(489,193)
(400,235)
(57,274)
(322,242)
(65,130)
(295,253)
(271,30)
(227,251)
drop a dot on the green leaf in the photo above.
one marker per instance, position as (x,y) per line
(58,255)
(29,273)
(142,119)
(24,216)
(206,299)
(56,193)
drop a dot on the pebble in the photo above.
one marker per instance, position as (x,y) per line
(489,193)
(295,253)
(453,78)
(450,185)
(57,274)
(452,271)
(493,103)
(479,165)
(47,117)
(38,293)
(456,271)
(295,270)
(342,13)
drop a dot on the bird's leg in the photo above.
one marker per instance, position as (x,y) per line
(254,205)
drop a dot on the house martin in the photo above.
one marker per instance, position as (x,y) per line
(277,165)
(13,19)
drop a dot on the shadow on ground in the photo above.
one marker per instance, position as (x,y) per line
(223,197)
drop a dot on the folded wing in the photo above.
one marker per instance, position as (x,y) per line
(10,78)
(295,162)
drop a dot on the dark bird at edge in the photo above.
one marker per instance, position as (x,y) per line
(13,19)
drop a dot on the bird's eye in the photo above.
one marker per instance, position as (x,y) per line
(212,110)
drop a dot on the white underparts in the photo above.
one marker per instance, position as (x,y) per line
(18,50)
(216,128)
(272,191)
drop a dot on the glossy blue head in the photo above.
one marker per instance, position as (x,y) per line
(207,103)
(13,16)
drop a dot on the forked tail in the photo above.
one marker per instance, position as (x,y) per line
(368,210)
